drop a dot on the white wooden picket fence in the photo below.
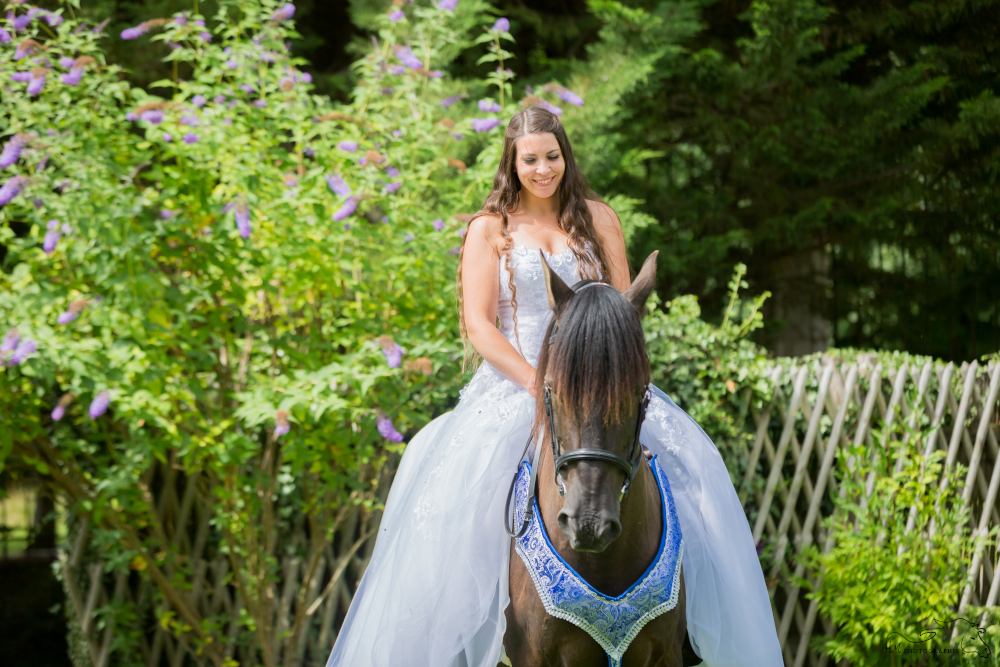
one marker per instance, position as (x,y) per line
(816,408)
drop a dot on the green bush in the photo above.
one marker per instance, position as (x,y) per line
(886,588)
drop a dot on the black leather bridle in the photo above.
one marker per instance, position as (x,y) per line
(630,465)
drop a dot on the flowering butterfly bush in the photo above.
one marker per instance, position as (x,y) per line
(234,275)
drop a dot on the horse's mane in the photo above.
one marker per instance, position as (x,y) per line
(597,362)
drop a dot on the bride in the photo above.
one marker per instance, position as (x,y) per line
(435,590)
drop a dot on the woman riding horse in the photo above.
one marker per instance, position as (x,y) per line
(653,552)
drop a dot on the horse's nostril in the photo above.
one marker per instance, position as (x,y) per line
(611,530)
(563,520)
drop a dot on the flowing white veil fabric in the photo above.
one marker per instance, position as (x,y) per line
(436,587)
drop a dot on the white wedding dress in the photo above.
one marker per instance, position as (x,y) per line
(435,590)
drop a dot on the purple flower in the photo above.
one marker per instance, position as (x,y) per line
(12,188)
(4,36)
(189,120)
(228,207)
(550,108)
(397,133)
(435,74)
(243,217)
(406,57)
(167,137)
(448,5)
(484,124)
(338,185)
(397,69)
(260,104)
(448,101)
(281,424)
(23,349)
(246,88)
(309,152)
(408,238)
(396,15)
(347,227)
(58,412)
(455,251)
(393,355)
(130,116)
(391,172)
(347,209)
(489,106)
(37,81)
(568,96)
(231,64)
(269,57)
(10,341)
(24,20)
(20,77)
(166,213)
(286,83)
(306,77)
(181,19)
(72,77)
(227,121)
(502,25)
(190,138)
(153,116)
(67,229)
(53,19)
(198,101)
(51,239)
(392,187)
(66,62)
(283,13)
(99,405)
(291,181)
(198,22)
(348,146)
(385,427)
(12,151)
(438,225)
(67,317)
(136,32)
(457,135)
(205,37)
(362,161)
(219,99)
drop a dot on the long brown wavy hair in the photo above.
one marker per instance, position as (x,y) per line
(574,213)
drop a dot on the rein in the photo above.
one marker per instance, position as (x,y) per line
(630,465)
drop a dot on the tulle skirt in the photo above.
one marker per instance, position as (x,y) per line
(435,590)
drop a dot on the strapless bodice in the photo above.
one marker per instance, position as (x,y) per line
(533,313)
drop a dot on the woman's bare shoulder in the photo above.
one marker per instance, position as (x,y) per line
(605,218)
(486,227)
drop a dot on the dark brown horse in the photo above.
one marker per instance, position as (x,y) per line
(596,369)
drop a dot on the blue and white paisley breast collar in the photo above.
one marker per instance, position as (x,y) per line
(613,622)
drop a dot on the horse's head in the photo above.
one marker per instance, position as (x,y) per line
(593,373)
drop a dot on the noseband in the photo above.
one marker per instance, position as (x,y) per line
(630,465)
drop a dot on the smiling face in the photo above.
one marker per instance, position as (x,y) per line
(540,164)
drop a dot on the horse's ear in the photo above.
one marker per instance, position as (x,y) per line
(559,292)
(644,283)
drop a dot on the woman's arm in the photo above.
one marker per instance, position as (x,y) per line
(609,228)
(480,295)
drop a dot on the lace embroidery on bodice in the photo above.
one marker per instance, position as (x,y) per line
(533,315)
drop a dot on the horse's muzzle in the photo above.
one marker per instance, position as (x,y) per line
(592,534)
